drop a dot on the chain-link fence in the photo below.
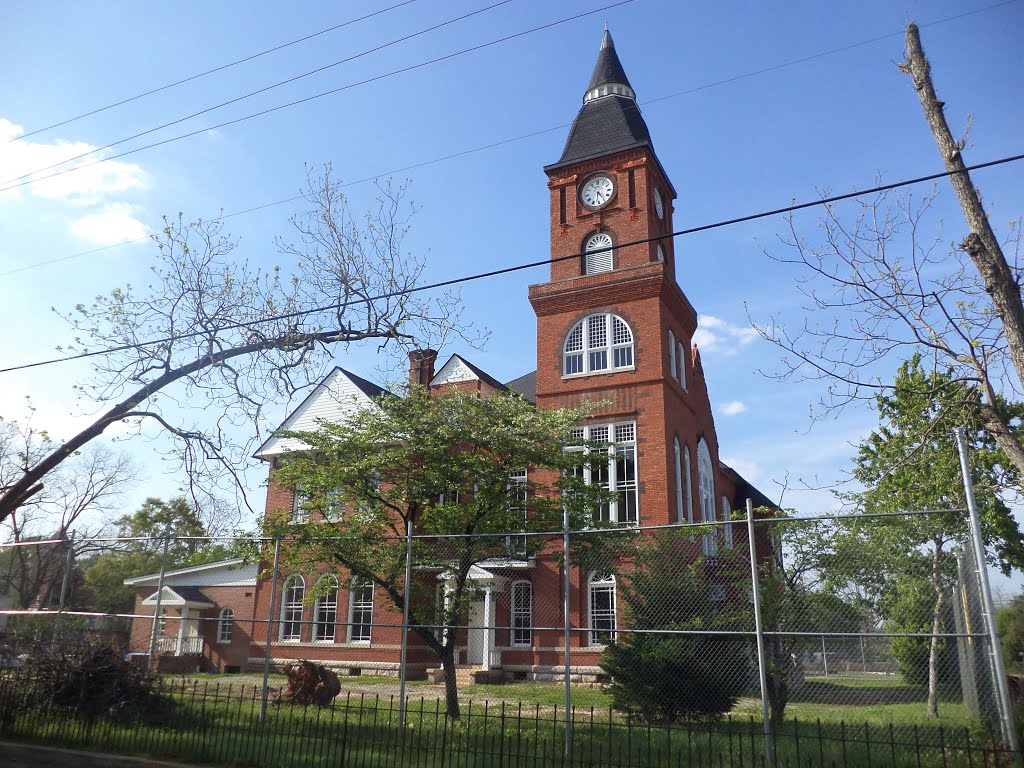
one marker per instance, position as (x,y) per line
(872,633)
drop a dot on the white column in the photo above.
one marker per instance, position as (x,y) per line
(488,623)
(181,631)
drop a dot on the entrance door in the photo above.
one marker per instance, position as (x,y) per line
(475,635)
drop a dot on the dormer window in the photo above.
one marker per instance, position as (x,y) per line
(598,343)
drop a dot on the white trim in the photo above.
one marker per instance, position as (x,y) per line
(602,582)
(225,622)
(585,352)
(289,605)
(358,583)
(615,447)
(518,612)
(320,603)
(140,581)
(706,484)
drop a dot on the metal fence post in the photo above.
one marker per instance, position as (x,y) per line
(566,634)
(159,599)
(68,561)
(1005,705)
(405,625)
(270,625)
(759,631)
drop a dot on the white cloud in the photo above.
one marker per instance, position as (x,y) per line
(733,407)
(83,186)
(714,334)
(114,224)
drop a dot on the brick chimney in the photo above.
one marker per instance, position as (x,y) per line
(421,366)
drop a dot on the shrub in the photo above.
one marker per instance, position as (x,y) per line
(92,682)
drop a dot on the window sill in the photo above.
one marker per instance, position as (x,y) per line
(604,372)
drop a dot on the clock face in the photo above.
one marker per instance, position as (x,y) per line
(597,192)
(659,206)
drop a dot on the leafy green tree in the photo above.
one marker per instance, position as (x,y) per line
(1010,621)
(445,465)
(143,553)
(668,677)
(910,463)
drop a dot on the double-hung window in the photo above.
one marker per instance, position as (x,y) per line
(517,495)
(300,509)
(360,611)
(522,613)
(292,595)
(602,608)
(225,625)
(325,610)
(611,465)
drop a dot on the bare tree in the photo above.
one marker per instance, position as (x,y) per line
(81,495)
(882,286)
(204,349)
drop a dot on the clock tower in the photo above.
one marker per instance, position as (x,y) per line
(613,325)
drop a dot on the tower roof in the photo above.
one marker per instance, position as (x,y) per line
(609,120)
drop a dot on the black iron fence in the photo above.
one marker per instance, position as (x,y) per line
(218,723)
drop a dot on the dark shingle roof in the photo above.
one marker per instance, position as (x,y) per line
(368,387)
(608,68)
(525,385)
(483,375)
(603,126)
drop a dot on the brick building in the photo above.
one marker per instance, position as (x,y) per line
(614,326)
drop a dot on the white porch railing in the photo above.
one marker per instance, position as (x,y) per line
(179,646)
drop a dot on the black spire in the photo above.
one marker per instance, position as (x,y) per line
(610,120)
(608,70)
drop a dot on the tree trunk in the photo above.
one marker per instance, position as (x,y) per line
(935,644)
(981,244)
(451,691)
(778,684)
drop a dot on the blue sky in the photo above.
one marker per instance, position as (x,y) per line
(733,144)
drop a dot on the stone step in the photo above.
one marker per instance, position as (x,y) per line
(466,674)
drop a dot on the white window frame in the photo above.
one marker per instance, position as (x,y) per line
(325,610)
(706,483)
(688,480)
(601,582)
(364,607)
(682,364)
(225,625)
(624,485)
(604,261)
(293,593)
(727,519)
(582,358)
(677,453)
(300,513)
(672,354)
(518,502)
(521,634)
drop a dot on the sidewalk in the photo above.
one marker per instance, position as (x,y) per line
(12,754)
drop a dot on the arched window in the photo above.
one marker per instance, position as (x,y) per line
(360,610)
(522,613)
(225,624)
(602,608)
(325,609)
(688,483)
(598,343)
(679,480)
(604,258)
(671,354)
(726,514)
(292,594)
(682,364)
(706,483)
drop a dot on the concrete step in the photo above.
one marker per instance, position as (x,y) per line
(466,674)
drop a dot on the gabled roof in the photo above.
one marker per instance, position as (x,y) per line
(180,597)
(458,368)
(745,490)
(525,385)
(340,393)
(232,572)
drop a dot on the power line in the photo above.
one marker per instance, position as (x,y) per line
(522,137)
(346,60)
(528,265)
(221,68)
